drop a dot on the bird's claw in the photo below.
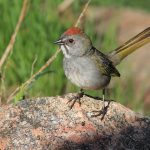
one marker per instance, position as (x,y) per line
(75,98)
(101,112)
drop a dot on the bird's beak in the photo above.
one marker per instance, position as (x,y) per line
(59,42)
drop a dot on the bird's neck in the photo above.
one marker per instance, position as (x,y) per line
(90,51)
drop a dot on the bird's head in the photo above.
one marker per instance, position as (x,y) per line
(74,42)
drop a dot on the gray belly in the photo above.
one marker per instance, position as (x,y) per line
(84,73)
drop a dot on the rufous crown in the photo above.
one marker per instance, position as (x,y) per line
(73,31)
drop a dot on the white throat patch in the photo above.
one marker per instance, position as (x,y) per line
(65,52)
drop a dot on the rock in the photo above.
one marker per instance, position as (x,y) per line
(48,123)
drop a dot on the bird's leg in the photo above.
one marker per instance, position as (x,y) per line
(104,91)
(104,108)
(76,97)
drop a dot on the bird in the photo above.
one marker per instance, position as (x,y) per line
(89,68)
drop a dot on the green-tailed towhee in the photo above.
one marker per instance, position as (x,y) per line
(87,67)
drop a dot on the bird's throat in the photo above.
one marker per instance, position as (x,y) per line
(65,51)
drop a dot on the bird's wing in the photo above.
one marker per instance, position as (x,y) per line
(105,65)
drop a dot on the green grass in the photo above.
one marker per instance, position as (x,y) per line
(42,26)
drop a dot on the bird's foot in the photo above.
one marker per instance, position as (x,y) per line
(101,112)
(76,98)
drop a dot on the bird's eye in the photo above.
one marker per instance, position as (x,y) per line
(71,40)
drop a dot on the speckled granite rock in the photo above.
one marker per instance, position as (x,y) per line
(48,123)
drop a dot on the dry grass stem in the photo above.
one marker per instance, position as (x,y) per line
(33,64)
(2,87)
(11,96)
(81,17)
(31,79)
(50,60)
(13,37)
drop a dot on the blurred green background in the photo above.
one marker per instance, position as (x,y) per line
(43,24)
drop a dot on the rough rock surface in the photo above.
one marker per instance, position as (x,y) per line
(48,123)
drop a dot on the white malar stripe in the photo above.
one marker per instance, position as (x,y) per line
(64,51)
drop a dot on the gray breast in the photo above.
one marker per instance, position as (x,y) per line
(84,73)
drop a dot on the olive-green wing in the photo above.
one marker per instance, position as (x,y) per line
(105,65)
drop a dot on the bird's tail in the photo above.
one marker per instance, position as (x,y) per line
(117,55)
